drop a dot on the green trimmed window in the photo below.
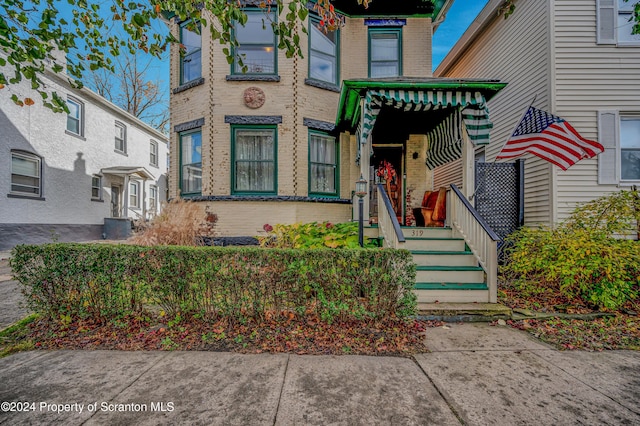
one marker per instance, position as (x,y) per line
(323,53)
(385,52)
(191,58)
(191,163)
(256,51)
(254,168)
(323,164)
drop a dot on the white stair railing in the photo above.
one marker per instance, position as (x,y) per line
(388,222)
(480,238)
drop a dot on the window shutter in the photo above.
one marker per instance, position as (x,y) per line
(608,169)
(606,21)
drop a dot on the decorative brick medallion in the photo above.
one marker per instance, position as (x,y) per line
(253,97)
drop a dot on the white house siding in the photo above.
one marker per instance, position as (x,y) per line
(514,51)
(448,174)
(589,77)
(66,210)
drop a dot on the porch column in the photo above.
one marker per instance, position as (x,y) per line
(365,162)
(125,197)
(468,168)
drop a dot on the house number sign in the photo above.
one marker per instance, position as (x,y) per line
(253,97)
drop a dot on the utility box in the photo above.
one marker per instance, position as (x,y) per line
(117,228)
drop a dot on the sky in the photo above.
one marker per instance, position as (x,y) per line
(460,16)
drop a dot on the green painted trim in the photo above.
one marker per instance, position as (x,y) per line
(336,141)
(181,63)
(433,239)
(450,286)
(313,20)
(353,90)
(426,228)
(441,253)
(449,268)
(275,45)
(384,30)
(180,135)
(234,129)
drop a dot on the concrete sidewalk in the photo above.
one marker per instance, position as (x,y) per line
(476,374)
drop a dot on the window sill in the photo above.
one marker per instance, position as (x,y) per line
(117,151)
(252,77)
(153,165)
(188,85)
(26,197)
(96,200)
(75,135)
(322,85)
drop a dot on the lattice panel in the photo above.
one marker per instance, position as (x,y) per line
(496,197)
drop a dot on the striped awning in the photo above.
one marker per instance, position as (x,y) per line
(445,142)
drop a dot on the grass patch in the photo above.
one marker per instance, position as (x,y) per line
(17,337)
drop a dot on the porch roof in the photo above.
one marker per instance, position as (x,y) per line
(127,171)
(449,103)
(353,90)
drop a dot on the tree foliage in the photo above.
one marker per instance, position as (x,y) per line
(90,33)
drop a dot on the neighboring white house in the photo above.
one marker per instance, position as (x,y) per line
(581,61)
(62,175)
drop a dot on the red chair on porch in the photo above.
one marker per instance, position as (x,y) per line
(434,207)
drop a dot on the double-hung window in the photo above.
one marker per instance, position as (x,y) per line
(619,134)
(120,137)
(626,22)
(153,153)
(96,187)
(153,198)
(75,118)
(256,50)
(26,172)
(134,195)
(323,53)
(385,52)
(191,55)
(615,22)
(191,163)
(630,148)
(254,159)
(323,164)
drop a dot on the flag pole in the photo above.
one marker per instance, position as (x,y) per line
(516,126)
(535,96)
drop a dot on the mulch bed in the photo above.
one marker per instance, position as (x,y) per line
(287,333)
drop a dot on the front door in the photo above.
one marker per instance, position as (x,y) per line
(116,201)
(387,168)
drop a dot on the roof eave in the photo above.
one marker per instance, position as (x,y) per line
(484,18)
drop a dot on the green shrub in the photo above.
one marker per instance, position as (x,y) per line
(582,258)
(104,282)
(314,235)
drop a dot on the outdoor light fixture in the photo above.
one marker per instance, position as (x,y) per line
(361,191)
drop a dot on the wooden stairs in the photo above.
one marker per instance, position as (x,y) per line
(447,271)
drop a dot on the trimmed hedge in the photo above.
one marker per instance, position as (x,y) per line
(105,282)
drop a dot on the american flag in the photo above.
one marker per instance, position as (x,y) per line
(550,138)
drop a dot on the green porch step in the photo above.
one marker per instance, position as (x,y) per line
(450,286)
(449,268)
(465,252)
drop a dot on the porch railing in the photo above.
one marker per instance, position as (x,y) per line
(388,222)
(480,238)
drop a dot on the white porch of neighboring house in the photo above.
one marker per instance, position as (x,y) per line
(420,124)
(121,177)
